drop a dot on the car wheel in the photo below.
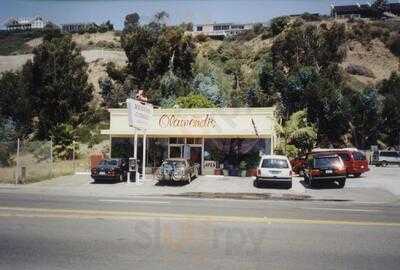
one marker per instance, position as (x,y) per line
(307,180)
(256,183)
(121,177)
(342,183)
(356,175)
(313,183)
(384,163)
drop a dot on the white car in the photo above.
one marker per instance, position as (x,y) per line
(274,168)
(384,158)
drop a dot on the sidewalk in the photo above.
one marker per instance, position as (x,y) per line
(366,189)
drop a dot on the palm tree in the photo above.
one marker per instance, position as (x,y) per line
(297,131)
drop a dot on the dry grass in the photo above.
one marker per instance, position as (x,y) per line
(39,171)
(95,40)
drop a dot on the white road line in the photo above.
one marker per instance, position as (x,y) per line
(135,201)
(341,209)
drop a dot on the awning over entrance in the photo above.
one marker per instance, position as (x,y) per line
(207,123)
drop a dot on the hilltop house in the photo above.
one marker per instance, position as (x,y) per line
(77,27)
(221,29)
(26,24)
(365,10)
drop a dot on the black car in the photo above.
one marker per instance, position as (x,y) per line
(110,169)
(322,168)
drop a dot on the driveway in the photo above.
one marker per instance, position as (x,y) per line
(377,186)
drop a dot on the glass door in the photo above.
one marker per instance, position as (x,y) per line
(195,156)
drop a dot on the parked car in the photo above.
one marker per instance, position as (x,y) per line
(274,168)
(384,158)
(355,161)
(324,167)
(110,169)
(177,169)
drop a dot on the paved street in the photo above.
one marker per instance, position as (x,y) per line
(54,232)
(70,223)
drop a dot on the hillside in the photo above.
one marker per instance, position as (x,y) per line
(371,56)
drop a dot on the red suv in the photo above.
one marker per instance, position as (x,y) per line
(355,161)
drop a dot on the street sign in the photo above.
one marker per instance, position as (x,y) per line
(139,114)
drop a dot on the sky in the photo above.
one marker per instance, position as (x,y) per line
(196,11)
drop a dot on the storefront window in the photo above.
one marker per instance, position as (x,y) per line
(121,147)
(175,151)
(233,154)
(157,151)
(177,140)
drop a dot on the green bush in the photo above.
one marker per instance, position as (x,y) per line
(39,149)
(278,24)
(394,44)
(5,155)
(201,38)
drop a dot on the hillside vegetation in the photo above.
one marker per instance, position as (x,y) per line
(340,76)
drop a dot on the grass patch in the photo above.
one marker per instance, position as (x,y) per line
(40,171)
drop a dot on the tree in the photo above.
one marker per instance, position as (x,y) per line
(298,132)
(366,117)
(112,94)
(309,46)
(328,110)
(194,101)
(153,51)
(59,83)
(16,100)
(390,90)
(278,24)
(131,22)
(63,140)
(207,86)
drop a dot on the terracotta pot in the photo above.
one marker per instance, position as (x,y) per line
(218,172)
(252,172)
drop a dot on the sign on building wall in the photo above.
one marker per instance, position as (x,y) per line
(139,114)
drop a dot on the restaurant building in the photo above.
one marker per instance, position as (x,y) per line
(224,138)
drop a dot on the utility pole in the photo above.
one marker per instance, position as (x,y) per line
(18,163)
(51,156)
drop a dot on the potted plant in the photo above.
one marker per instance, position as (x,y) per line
(242,167)
(252,162)
(225,169)
(218,170)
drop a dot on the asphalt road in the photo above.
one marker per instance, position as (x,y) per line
(63,232)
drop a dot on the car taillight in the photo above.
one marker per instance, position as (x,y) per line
(94,171)
(315,172)
(258,172)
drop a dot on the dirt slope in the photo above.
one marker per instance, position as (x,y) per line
(375,57)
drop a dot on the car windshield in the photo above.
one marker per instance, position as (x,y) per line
(359,156)
(327,162)
(175,163)
(109,162)
(275,163)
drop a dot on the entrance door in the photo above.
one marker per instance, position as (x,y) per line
(195,156)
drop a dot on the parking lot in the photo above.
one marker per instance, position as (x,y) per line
(378,185)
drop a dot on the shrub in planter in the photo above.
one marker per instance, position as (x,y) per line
(242,167)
